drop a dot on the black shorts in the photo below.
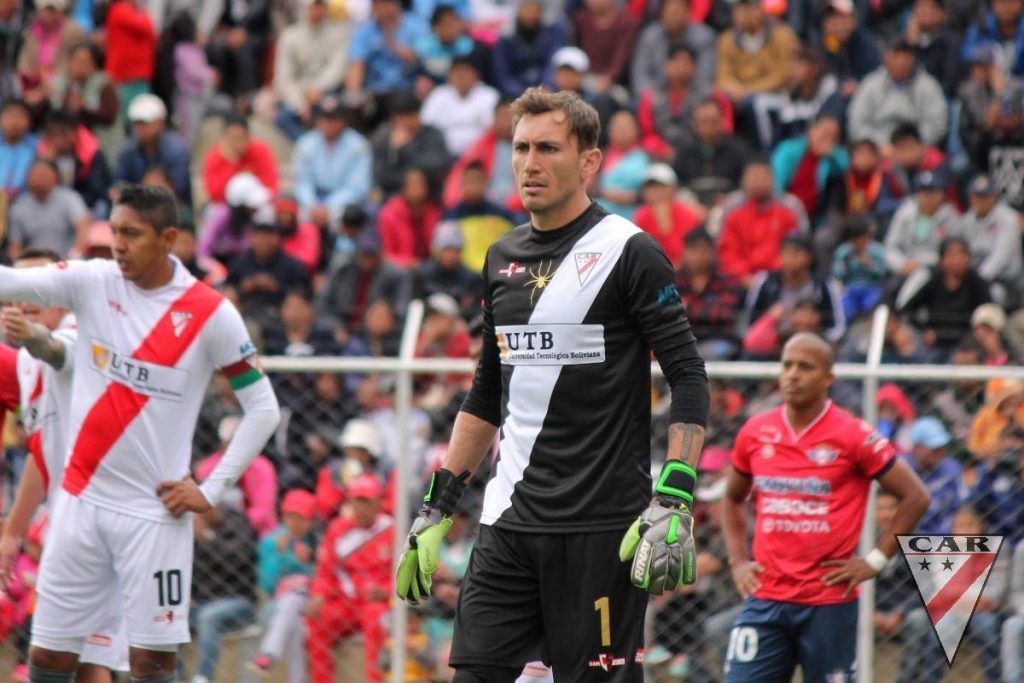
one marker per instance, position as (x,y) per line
(564,599)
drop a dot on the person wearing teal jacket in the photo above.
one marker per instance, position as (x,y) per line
(811,167)
(286,561)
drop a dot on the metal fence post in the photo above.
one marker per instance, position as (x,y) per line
(403,407)
(869,408)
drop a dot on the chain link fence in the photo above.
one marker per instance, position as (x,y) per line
(289,588)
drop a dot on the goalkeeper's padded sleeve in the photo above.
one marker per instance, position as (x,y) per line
(260,419)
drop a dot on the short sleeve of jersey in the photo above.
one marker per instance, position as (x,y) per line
(68,337)
(873,454)
(10,395)
(741,451)
(227,338)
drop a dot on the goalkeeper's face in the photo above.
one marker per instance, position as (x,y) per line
(139,249)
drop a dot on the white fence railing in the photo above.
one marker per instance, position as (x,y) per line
(869,374)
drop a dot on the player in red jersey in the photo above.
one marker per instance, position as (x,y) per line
(10,397)
(810,465)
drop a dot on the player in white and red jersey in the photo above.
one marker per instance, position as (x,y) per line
(44,371)
(150,337)
(810,465)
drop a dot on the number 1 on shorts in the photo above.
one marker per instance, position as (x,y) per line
(603,606)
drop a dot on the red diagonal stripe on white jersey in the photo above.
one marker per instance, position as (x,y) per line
(119,405)
(948,595)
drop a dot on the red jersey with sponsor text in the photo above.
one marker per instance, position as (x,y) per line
(810,490)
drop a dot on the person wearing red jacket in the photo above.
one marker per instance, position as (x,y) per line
(406,221)
(753,230)
(237,151)
(131,50)
(352,582)
(493,146)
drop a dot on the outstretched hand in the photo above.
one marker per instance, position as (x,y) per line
(182,496)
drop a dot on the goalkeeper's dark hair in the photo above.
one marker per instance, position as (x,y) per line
(155,205)
(39,254)
(584,123)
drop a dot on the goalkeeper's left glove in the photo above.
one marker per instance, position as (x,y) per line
(660,541)
(422,553)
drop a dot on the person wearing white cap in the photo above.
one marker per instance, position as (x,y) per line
(150,145)
(665,217)
(987,324)
(226,229)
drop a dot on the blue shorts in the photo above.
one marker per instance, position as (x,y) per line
(770,638)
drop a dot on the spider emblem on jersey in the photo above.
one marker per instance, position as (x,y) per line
(539,278)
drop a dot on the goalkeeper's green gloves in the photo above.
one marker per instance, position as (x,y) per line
(423,550)
(660,541)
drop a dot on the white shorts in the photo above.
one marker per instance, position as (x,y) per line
(108,646)
(95,558)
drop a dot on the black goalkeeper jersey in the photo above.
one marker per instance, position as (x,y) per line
(570,318)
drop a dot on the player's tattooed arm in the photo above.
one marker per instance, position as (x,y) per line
(36,338)
(685,442)
(43,346)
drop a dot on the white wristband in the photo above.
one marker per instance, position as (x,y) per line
(876,559)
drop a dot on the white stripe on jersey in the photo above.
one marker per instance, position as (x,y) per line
(564,301)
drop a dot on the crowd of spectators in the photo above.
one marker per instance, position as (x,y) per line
(800,162)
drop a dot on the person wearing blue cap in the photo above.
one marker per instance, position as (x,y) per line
(992,230)
(919,226)
(941,474)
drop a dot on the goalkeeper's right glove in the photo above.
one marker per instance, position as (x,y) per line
(660,542)
(422,553)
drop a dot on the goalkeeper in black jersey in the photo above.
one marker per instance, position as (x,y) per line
(571,539)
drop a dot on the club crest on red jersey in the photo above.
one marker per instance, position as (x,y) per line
(823,454)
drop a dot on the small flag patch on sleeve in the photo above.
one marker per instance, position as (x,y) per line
(242,374)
